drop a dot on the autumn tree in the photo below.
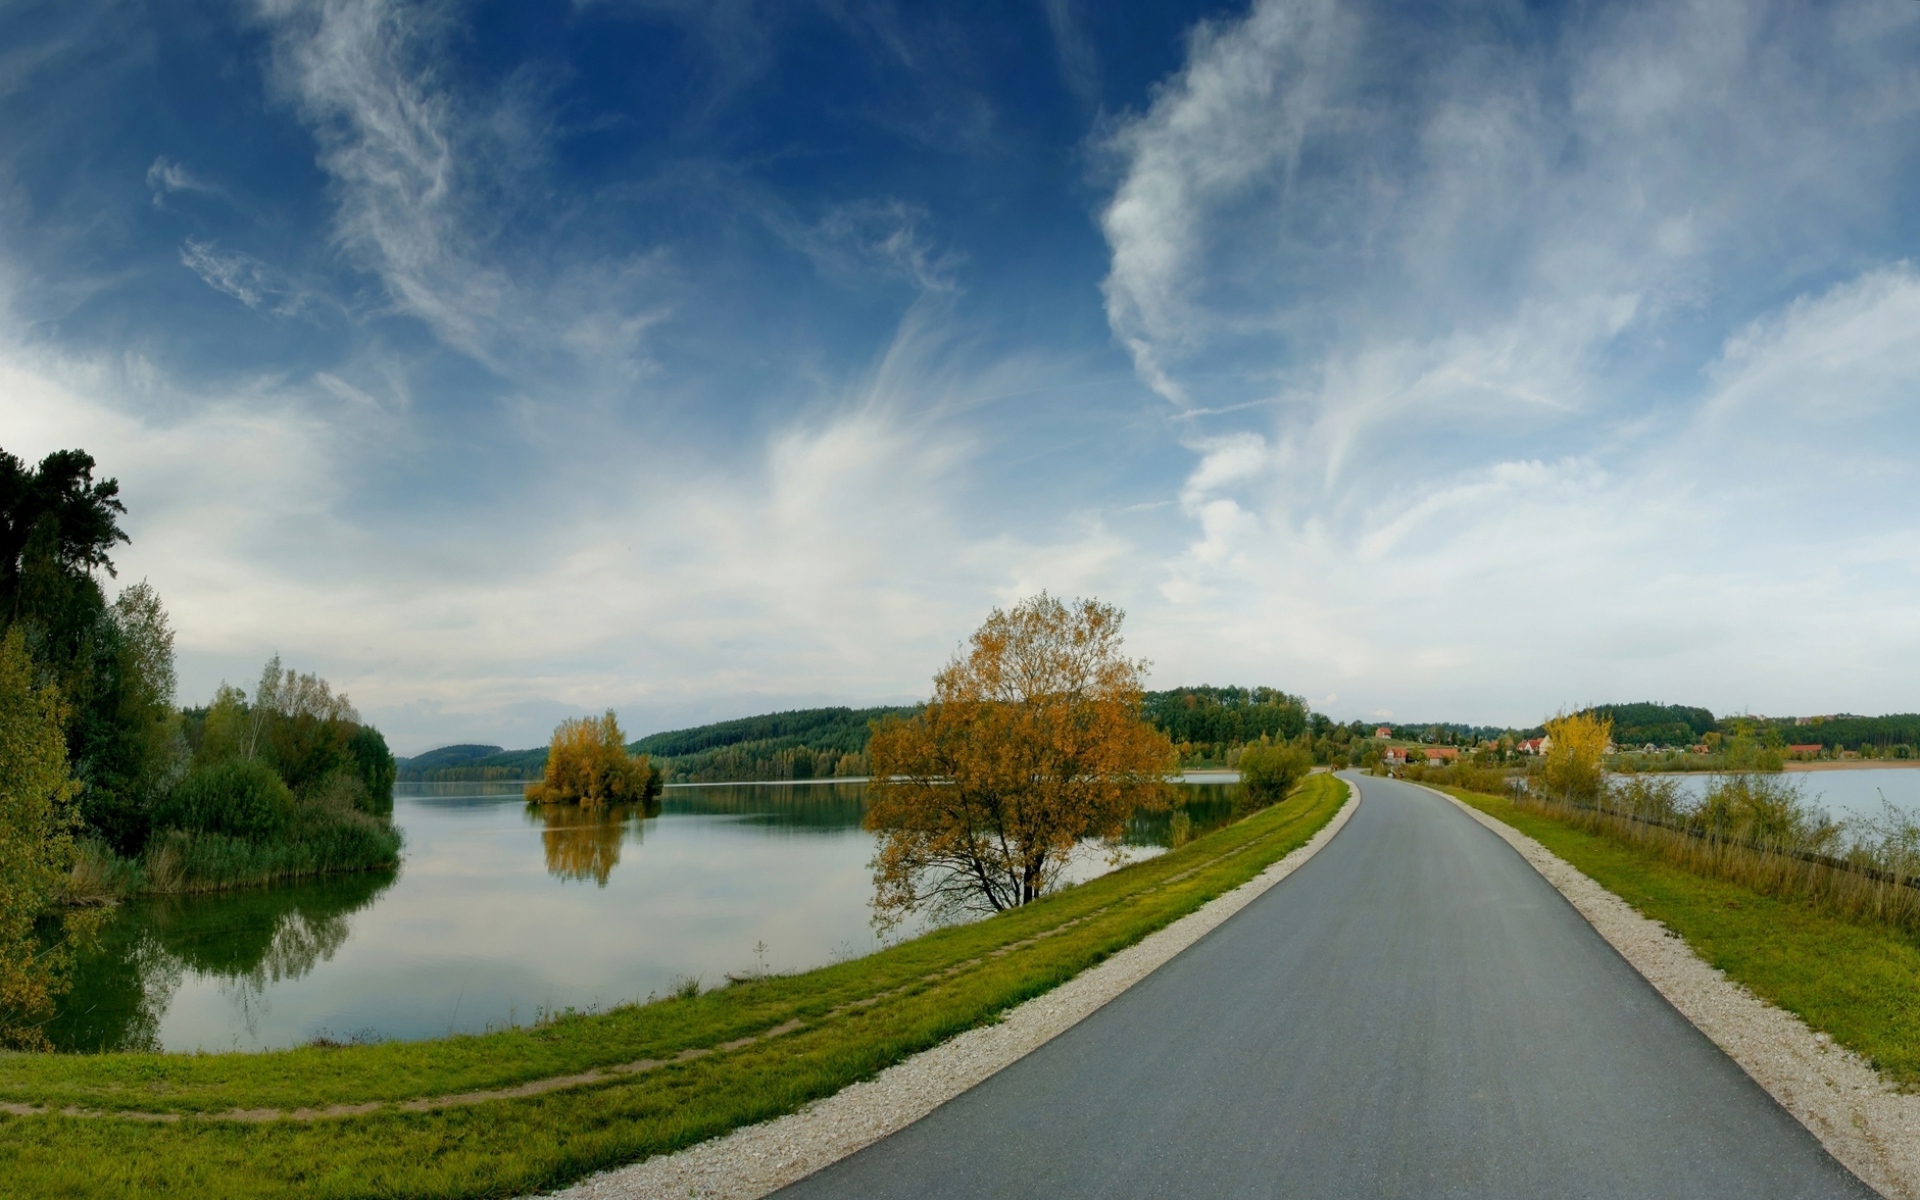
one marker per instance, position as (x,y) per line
(1033,741)
(588,763)
(1571,768)
(38,814)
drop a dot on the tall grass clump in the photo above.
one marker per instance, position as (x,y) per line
(1760,831)
(237,824)
(1472,777)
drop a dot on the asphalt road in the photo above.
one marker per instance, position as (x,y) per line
(1414,1012)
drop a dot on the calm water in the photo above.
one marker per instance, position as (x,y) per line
(1847,793)
(498,912)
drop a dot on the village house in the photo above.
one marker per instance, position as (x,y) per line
(1539,745)
(1397,755)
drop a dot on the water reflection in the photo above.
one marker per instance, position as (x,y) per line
(1196,809)
(799,808)
(582,841)
(249,941)
(488,924)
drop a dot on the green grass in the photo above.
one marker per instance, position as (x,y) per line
(920,993)
(1856,981)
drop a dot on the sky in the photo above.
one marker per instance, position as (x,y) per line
(696,358)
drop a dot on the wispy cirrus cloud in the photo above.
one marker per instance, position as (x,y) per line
(242,276)
(1537,323)
(360,73)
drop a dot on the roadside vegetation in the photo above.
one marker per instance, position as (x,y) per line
(666,1074)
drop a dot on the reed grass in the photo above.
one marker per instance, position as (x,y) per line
(321,841)
(1758,831)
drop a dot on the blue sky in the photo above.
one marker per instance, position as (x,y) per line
(505,361)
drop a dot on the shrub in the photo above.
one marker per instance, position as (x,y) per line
(1269,770)
(588,763)
(1571,767)
(239,799)
(342,791)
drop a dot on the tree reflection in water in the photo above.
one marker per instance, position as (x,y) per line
(582,841)
(248,940)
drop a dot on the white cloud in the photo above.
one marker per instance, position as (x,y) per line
(1529,439)
(834,560)
(359,71)
(166,177)
(886,237)
(242,276)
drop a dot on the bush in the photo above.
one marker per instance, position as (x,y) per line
(1269,770)
(588,763)
(342,791)
(240,799)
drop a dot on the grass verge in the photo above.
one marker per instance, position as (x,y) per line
(841,1024)
(1857,981)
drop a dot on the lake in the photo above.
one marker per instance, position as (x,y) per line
(1845,793)
(500,912)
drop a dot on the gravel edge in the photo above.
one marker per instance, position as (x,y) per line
(756,1160)
(1863,1121)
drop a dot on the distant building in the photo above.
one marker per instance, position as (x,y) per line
(1396,755)
(1808,751)
(1539,745)
(1383,733)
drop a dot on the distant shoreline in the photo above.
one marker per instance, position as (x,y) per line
(1857,764)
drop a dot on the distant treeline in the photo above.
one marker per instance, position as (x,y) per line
(1854,733)
(813,743)
(1208,724)
(1674,726)
(1226,716)
(1657,724)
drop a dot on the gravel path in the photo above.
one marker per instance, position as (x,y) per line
(1862,1120)
(759,1159)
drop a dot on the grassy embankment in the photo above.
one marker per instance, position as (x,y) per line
(696,1065)
(1840,967)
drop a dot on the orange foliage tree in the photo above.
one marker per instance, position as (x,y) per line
(1032,742)
(588,763)
(1571,767)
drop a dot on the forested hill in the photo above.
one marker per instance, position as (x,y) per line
(811,743)
(841,729)
(1896,732)
(1656,724)
(819,743)
(1675,725)
(451,756)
